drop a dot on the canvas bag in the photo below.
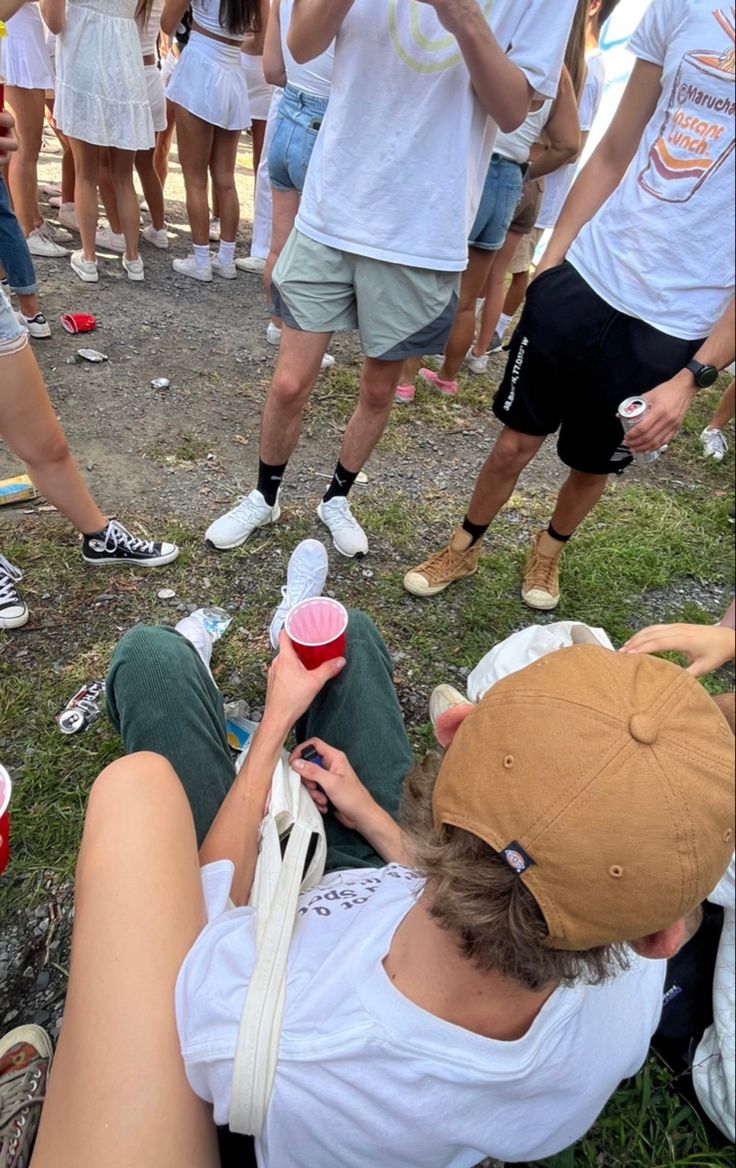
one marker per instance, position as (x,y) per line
(527,646)
(279,878)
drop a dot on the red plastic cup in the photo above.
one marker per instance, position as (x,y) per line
(78,322)
(318,630)
(6,788)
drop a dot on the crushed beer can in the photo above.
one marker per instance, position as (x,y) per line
(92,356)
(83,709)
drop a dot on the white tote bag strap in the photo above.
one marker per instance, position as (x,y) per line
(256,1052)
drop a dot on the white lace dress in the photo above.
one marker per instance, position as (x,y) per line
(101,91)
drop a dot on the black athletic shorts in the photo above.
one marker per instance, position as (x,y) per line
(572,361)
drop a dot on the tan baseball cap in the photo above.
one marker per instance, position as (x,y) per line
(606,781)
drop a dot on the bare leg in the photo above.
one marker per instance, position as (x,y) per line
(726,409)
(195,139)
(297,369)
(107,192)
(32,431)
(163,144)
(222,168)
(463,330)
(28,303)
(577,498)
(258,135)
(118,1094)
(86,167)
(285,206)
(121,170)
(152,189)
(67,160)
(409,371)
(499,474)
(516,293)
(28,105)
(495,292)
(378,381)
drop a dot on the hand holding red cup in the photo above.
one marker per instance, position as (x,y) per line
(318,630)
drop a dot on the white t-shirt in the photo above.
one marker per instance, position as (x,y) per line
(662,247)
(314,76)
(364,1076)
(557,184)
(399,166)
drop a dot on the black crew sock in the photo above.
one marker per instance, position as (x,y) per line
(475,530)
(269,480)
(342,481)
(556,535)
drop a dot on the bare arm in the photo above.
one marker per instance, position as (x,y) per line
(234,833)
(274,69)
(609,162)
(254,42)
(314,26)
(172,14)
(562,132)
(53,12)
(501,87)
(8,140)
(9,8)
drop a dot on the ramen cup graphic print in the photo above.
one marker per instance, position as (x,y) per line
(697,134)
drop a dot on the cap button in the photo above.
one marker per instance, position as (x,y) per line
(644,729)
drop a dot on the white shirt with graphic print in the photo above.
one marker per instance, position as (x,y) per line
(662,247)
(367,1079)
(399,165)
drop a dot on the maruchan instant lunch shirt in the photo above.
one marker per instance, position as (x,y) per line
(367,1078)
(399,165)
(662,247)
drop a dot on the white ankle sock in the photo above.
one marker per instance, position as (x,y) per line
(503,323)
(201,254)
(226,254)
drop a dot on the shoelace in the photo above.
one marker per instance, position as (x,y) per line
(442,564)
(542,570)
(9,577)
(341,516)
(118,536)
(16,1097)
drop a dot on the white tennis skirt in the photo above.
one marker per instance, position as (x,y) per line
(209,81)
(156,97)
(26,59)
(259,91)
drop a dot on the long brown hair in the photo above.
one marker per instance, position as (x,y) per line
(240,16)
(143,12)
(575,52)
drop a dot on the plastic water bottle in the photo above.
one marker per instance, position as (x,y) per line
(202,628)
(215,620)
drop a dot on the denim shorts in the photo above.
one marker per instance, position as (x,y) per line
(297,126)
(13,334)
(14,254)
(501,194)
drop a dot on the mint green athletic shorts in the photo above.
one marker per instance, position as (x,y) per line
(399,311)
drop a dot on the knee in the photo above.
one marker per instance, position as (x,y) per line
(513,451)
(53,449)
(289,389)
(378,396)
(150,647)
(125,785)
(360,624)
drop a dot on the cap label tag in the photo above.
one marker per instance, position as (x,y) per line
(517,858)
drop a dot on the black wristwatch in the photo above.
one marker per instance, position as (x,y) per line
(705,375)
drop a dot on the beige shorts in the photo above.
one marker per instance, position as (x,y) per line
(524,253)
(400,312)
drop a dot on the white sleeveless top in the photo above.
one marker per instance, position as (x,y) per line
(314,77)
(149,34)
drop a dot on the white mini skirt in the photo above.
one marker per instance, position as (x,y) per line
(156,97)
(209,81)
(259,91)
(26,59)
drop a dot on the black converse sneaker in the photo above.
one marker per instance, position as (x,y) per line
(13,610)
(116,545)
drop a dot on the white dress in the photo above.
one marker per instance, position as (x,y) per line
(101,90)
(26,59)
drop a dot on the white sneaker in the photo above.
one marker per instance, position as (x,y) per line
(135,269)
(234,528)
(327,362)
(226,271)
(85,269)
(305,578)
(444,697)
(58,234)
(38,326)
(215,230)
(190,267)
(273,333)
(156,237)
(41,244)
(476,364)
(347,534)
(251,264)
(715,445)
(108,240)
(68,217)
(13,609)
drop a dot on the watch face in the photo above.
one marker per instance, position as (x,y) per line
(707,376)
